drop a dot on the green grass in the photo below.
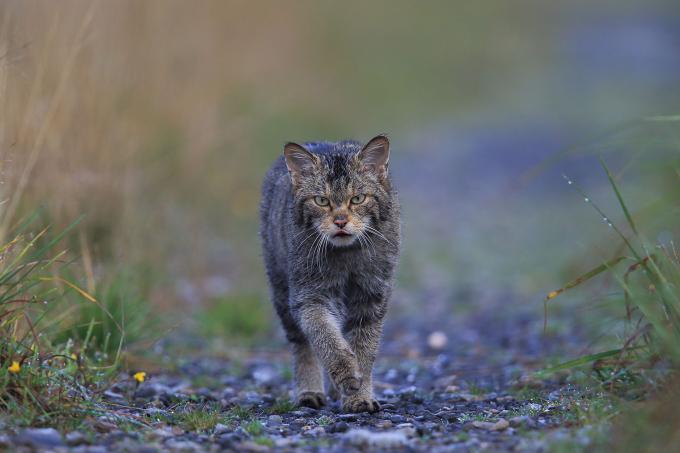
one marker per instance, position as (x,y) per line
(650,304)
(253,427)
(46,381)
(121,316)
(52,373)
(282,406)
(199,420)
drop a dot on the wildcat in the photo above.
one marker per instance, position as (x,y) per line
(331,235)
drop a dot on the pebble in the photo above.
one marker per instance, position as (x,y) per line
(39,438)
(339,427)
(348,417)
(363,438)
(437,340)
(274,420)
(384,424)
(182,445)
(221,429)
(500,425)
(75,438)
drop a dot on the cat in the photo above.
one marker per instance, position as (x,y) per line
(330,231)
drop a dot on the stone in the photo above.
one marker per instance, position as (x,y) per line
(274,420)
(221,429)
(437,340)
(363,438)
(348,417)
(75,438)
(339,427)
(39,438)
(500,425)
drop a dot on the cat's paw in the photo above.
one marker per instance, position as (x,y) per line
(315,400)
(360,404)
(350,385)
(345,373)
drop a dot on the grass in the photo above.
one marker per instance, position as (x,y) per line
(253,427)
(282,406)
(650,302)
(645,276)
(200,420)
(46,381)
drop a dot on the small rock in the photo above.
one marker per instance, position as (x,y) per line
(220,429)
(228,440)
(75,438)
(114,397)
(365,438)
(339,427)
(145,391)
(384,424)
(348,417)
(274,420)
(437,340)
(316,431)
(104,426)
(251,447)
(98,449)
(397,418)
(39,437)
(161,433)
(500,425)
(5,441)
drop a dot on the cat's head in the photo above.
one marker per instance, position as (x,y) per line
(343,192)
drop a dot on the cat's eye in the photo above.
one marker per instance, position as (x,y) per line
(321,201)
(358,199)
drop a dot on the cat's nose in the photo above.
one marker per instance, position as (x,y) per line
(340,221)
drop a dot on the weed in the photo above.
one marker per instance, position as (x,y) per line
(282,406)
(253,427)
(324,420)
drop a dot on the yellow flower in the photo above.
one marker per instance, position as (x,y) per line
(552,295)
(74,356)
(15,367)
(140,376)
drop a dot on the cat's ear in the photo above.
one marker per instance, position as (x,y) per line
(376,155)
(298,160)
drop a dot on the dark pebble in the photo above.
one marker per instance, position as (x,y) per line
(39,438)
(339,427)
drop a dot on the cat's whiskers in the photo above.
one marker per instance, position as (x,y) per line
(379,234)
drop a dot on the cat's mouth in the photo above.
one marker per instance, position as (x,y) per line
(342,233)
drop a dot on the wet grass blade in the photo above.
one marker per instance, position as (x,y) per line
(585,277)
(626,212)
(584,360)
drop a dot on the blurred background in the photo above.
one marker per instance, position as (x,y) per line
(157,120)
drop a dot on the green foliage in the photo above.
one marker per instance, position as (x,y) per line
(200,420)
(45,382)
(119,316)
(282,406)
(253,427)
(651,287)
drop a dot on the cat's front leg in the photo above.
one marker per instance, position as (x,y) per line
(308,377)
(322,329)
(364,339)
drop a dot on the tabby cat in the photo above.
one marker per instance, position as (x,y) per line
(331,235)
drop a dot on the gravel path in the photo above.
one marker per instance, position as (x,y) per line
(466,387)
